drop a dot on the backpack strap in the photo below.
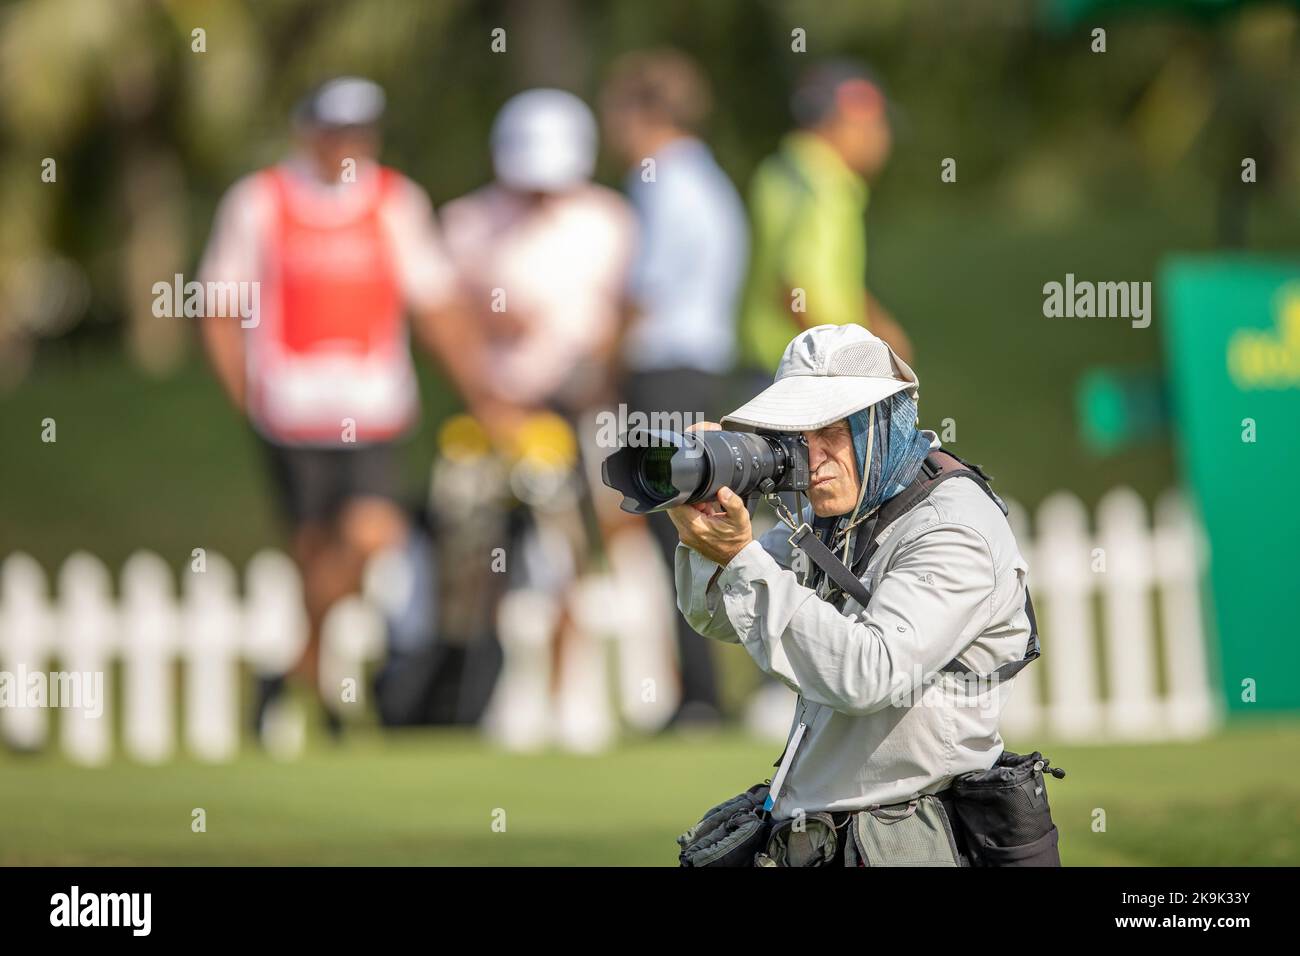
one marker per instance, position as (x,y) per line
(933,471)
(1033,650)
(939,466)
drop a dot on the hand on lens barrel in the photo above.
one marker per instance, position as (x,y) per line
(703,507)
(718,535)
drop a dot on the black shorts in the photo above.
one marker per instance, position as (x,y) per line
(313,484)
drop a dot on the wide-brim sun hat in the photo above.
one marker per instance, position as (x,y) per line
(544,140)
(827,373)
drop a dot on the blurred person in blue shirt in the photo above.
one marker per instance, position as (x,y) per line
(678,341)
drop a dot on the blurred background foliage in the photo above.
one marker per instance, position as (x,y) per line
(1068,160)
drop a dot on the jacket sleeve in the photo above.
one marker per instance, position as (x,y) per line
(934,599)
(698,593)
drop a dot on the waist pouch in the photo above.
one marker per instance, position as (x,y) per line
(806,840)
(915,833)
(729,834)
(1003,812)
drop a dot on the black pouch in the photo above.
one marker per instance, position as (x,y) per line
(729,834)
(1005,819)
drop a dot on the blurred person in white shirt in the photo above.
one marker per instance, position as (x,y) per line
(542,254)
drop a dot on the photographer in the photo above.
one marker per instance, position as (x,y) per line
(885,721)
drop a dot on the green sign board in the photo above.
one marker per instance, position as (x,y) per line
(1232,338)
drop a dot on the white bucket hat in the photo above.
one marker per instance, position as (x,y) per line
(544,140)
(827,373)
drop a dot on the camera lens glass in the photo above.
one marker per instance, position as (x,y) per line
(659,469)
(657,472)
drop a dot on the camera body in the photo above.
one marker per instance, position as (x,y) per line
(656,470)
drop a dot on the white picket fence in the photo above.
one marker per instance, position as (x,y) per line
(181,657)
(1137,571)
(211,631)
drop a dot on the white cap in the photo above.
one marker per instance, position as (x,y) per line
(544,140)
(344,101)
(827,373)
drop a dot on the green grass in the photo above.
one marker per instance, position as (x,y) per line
(430,798)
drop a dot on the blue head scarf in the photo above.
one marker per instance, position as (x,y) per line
(897,449)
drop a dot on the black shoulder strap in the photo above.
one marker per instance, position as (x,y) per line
(1033,650)
(938,467)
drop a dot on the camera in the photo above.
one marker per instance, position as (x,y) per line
(655,470)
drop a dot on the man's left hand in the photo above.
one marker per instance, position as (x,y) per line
(716,535)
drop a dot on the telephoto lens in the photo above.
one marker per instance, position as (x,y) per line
(656,470)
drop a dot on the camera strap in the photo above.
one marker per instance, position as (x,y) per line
(938,467)
(807,541)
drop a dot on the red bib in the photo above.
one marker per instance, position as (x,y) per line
(333,346)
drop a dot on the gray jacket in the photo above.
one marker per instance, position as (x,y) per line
(947,581)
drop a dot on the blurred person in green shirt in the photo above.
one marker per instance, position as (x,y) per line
(808,202)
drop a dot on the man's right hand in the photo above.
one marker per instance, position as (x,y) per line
(717,533)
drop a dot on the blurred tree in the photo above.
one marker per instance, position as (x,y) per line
(146,129)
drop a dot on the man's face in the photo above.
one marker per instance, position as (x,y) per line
(860,129)
(832,472)
(331,148)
